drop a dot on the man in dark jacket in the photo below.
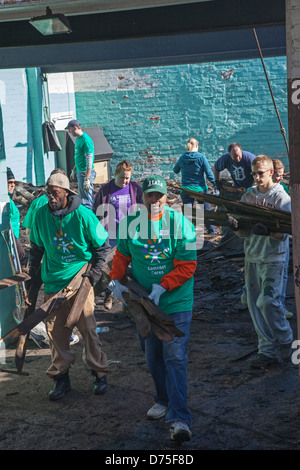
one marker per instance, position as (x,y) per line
(65,236)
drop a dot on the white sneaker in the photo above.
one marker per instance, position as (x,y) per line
(180,432)
(288,314)
(156,411)
(74,339)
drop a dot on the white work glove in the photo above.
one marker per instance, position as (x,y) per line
(73,175)
(117,290)
(156,292)
(86,184)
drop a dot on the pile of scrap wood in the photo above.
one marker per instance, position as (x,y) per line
(247,214)
(25,193)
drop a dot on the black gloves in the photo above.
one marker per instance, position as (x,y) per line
(35,258)
(218,184)
(93,276)
(261,229)
(98,260)
(232,223)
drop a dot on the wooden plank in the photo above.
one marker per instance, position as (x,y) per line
(24,193)
(47,308)
(246,221)
(79,301)
(239,207)
(13,280)
(148,316)
(31,299)
(137,311)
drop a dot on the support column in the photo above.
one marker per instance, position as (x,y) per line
(8,295)
(293,86)
(34,85)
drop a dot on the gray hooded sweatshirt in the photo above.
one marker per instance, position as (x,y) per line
(260,248)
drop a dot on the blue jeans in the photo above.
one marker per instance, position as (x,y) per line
(189,200)
(285,275)
(264,287)
(112,242)
(87,197)
(284,281)
(167,363)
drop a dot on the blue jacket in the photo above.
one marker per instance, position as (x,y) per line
(194,166)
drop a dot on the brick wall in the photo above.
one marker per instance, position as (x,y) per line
(148,114)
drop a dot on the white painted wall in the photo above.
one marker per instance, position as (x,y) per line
(13,95)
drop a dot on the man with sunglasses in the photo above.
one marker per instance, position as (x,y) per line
(265,254)
(65,236)
(277,178)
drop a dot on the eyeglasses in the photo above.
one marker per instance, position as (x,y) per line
(54,194)
(259,173)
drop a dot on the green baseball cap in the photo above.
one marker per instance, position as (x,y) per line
(154,183)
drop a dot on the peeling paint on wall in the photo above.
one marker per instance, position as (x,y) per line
(103,80)
(218,103)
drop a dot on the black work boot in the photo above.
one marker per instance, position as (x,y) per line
(61,387)
(100,384)
(286,352)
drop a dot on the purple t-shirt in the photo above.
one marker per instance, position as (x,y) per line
(120,199)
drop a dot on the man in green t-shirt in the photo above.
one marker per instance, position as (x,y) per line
(36,203)
(84,163)
(65,236)
(159,242)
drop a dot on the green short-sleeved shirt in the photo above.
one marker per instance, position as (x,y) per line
(83,145)
(34,206)
(66,251)
(14,216)
(153,246)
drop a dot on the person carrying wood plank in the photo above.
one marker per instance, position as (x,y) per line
(265,254)
(160,245)
(277,178)
(28,222)
(66,235)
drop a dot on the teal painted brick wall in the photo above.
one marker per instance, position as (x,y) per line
(148,114)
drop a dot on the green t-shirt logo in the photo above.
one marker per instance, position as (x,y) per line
(155,249)
(63,242)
